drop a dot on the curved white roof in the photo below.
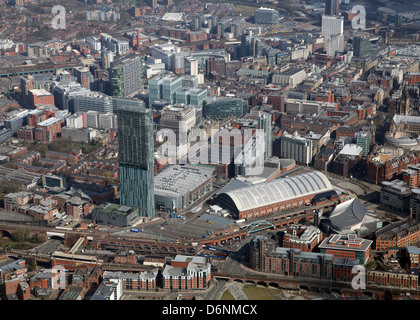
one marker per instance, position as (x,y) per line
(279,190)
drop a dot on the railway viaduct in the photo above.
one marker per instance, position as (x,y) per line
(227,236)
(293,283)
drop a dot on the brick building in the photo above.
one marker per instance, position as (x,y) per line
(398,234)
(305,238)
(78,208)
(347,159)
(155,261)
(274,196)
(266,256)
(40,96)
(187,272)
(277,100)
(48,130)
(388,163)
(413,254)
(12,270)
(126,257)
(26,133)
(347,246)
(145,280)
(17,286)
(48,279)
(87,278)
(342,269)
(36,116)
(323,159)
(392,279)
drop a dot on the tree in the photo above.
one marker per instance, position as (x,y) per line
(21,235)
(32,266)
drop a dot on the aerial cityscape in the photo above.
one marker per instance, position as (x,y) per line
(225,150)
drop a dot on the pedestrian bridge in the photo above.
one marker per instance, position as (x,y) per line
(56,234)
(258,226)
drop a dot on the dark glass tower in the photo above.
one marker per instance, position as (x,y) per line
(136,155)
(332,7)
(361,46)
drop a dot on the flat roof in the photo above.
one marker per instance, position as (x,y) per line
(40,92)
(48,122)
(115,208)
(347,242)
(178,180)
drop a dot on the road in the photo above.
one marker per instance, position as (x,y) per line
(47,247)
(216,291)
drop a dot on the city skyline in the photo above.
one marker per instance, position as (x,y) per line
(209,151)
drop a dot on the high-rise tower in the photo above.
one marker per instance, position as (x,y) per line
(332,7)
(136,155)
(126,75)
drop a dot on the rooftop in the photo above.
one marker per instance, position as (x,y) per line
(348,214)
(346,242)
(115,208)
(179,180)
(351,149)
(40,92)
(49,122)
(279,190)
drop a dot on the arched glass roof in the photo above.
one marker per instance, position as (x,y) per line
(263,194)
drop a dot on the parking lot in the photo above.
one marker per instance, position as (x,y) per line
(198,226)
(14,216)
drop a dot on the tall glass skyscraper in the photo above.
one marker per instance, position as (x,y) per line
(265,123)
(332,7)
(136,155)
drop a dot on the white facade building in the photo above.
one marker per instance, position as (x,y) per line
(332,25)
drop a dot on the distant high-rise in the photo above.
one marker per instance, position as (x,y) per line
(92,101)
(126,75)
(332,7)
(266,16)
(332,26)
(136,155)
(361,46)
(265,123)
(363,141)
(163,87)
(107,56)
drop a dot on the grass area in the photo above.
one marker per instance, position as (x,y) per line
(245,10)
(5,242)
(227,295)
(261,293)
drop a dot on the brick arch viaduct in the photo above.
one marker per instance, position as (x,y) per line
(307,284)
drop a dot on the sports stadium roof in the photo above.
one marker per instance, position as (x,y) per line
(264,194)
